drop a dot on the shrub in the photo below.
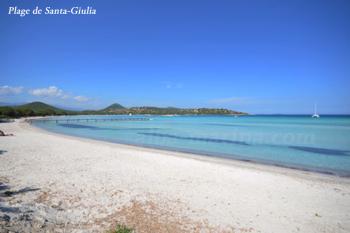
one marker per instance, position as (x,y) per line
(122,229)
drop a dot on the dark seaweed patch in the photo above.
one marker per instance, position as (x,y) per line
(4,209)
(74,126)
(321,150)
(225,125)
(138,129)
(196,138)
(9,193)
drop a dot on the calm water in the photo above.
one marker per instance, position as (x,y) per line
(294,141)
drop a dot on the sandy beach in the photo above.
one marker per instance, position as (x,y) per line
(57,183)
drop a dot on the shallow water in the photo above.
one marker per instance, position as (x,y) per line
(301,142)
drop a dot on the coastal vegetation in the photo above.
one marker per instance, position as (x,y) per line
(31,109)
(42,109)
(122,229)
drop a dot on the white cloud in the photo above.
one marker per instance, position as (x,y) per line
(65,96)
(7,90)
(80,98)
(51,91)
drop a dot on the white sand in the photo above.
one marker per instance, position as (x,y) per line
(90,185)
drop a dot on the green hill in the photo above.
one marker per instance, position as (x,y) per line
(183,111)
(38,106)
(113,107)
(32,109)
(42,109)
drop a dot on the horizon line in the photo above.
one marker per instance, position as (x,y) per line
(251,114)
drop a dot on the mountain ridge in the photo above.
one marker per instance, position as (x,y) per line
(38,108)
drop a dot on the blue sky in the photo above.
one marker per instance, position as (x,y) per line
(255,56)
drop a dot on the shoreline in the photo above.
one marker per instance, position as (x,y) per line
(59,182)
(202,156)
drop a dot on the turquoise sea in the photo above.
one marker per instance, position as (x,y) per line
(301,142)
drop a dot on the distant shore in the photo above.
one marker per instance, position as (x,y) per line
(87,185)
(43,109)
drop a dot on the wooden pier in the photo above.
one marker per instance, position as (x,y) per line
(73,120)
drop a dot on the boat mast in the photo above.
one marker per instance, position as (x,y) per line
(315,109)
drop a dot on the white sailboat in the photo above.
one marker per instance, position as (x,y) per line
(315,112)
